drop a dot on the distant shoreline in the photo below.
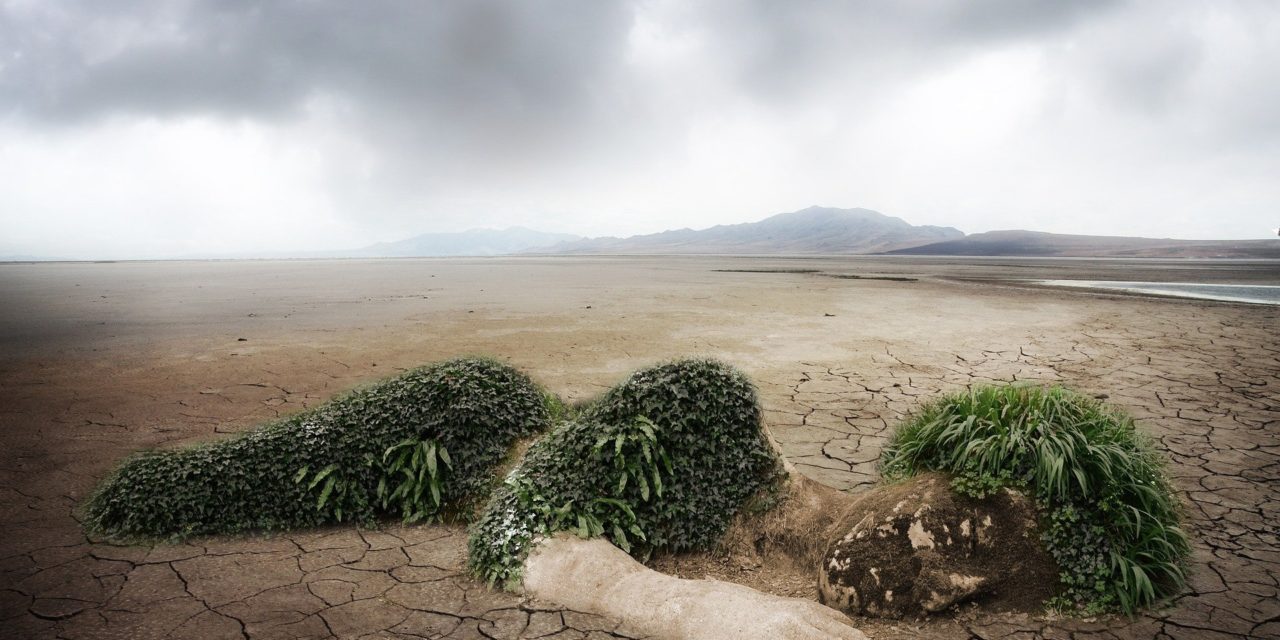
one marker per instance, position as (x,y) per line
(780,256)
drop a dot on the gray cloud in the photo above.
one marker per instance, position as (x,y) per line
(76,60)
(488,73)
(783,48)
(448,109)
(443,90)
(71,60)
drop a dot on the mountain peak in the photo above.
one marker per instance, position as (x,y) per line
(813,230)
(832,214)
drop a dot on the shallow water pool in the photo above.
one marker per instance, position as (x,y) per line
(1251,293)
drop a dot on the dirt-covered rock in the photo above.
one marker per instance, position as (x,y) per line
(917,547)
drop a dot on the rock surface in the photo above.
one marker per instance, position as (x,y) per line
(917,548)
(596,577)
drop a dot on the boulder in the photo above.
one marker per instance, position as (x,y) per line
(593,576)
(918,547)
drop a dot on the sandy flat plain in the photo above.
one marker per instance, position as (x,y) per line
(99,360)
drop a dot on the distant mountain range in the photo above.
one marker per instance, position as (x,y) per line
(821,230)
(1040,244)
(816,230)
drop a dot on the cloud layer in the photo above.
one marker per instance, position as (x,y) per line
(170,128)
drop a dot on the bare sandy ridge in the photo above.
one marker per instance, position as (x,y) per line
(148,354)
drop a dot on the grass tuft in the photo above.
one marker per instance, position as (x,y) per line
(1109,515)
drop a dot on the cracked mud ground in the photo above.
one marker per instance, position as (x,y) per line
(100,360)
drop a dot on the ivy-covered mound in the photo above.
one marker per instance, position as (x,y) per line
(412,445)
(662,461)
(1109,516)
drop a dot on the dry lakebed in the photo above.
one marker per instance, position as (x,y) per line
(98,360)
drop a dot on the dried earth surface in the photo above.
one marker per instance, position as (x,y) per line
(98,360)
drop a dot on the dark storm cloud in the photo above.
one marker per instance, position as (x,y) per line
(1151,76)
(496,80)
(1017,18)
(66,61)
(70,61)
(472,86)
(442,93)
(780,51)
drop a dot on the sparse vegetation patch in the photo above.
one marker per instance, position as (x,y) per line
(1109,516)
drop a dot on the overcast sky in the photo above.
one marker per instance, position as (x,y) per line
(165,128)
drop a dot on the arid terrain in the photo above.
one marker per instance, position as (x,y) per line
(99,360)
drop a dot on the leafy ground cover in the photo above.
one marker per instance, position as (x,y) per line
(662,461)
(415,446)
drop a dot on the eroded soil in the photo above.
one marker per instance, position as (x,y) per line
(100,360)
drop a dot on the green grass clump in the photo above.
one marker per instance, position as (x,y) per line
(1110,517)
(414,445)
(662,461)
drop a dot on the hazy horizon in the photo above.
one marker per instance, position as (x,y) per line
(353,251)
(151,129)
